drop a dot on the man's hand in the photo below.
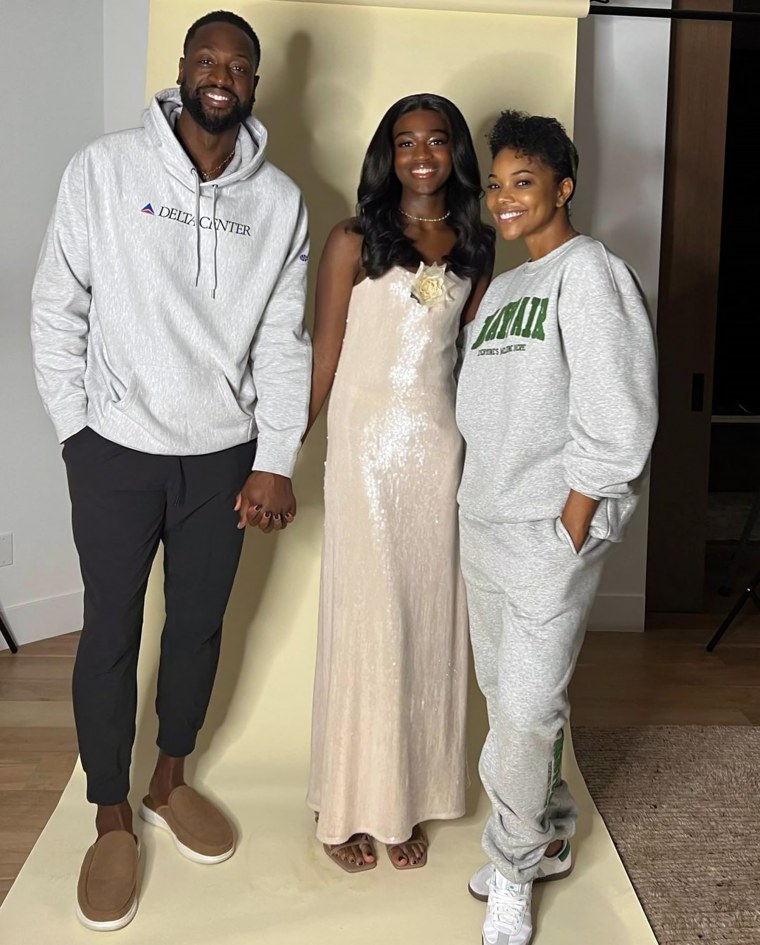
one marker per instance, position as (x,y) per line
(266,500)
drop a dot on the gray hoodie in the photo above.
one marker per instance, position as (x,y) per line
(167,312)
(558,390)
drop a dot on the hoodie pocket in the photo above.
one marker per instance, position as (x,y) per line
(229,398)
(184,408)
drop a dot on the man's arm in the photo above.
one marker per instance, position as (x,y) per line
(281,368)
(61,300)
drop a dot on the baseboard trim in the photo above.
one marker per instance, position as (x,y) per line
(618,612)
(43,619)
(54,616)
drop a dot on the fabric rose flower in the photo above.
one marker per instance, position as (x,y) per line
(429,286)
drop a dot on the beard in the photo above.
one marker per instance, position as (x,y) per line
(213,124)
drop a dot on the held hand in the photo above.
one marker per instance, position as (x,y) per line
(267,501)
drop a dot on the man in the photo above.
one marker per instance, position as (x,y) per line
(170,354)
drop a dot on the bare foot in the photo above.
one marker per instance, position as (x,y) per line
(356,855)
(411,853)
(357,851)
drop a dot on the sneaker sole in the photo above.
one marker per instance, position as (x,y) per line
(539,879)
(156,820)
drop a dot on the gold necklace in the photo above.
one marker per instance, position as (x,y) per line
(426,219)
(207,175)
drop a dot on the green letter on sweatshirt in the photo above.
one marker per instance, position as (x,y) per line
(538,331)
(484,331)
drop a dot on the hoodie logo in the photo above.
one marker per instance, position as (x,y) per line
(205,222)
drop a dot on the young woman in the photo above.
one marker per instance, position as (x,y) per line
(557,406)
(395,285)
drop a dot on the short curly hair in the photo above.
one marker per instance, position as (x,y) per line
(537,137)
(224,16)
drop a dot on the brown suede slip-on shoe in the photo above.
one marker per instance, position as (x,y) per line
(200,831)
(107,889)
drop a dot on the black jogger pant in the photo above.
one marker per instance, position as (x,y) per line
(123,503)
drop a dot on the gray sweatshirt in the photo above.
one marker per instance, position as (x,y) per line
(558,390)
(167,312)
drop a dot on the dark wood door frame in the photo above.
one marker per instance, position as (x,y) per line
(693,205)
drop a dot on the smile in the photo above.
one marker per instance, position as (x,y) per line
(423,172)
(217,97)
(506,216)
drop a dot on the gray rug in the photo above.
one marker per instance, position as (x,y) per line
(683,807)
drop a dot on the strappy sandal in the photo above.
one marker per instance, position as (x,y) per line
(358,838)
(418,836)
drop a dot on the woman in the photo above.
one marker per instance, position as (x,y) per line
(395,285)
(557,406)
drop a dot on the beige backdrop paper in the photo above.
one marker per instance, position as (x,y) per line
(565,8)
(328,73)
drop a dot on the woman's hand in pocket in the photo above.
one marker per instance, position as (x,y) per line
(576,517)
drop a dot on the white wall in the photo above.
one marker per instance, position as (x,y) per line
(125,50)
(51,73)
(620,116)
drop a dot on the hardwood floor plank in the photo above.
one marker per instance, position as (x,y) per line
(37,740)
(36,690)
(15,773)
(64,646)
(35,668)
(29,714)
(21,811)
(52,772)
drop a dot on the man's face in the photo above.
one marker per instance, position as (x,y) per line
(217,77)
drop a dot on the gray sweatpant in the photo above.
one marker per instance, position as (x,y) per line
(529,595)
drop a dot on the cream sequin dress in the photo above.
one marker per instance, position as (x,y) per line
(388,728)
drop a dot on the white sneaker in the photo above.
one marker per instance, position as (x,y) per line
(551,867)
(508,916)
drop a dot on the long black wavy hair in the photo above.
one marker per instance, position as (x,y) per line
(379,219)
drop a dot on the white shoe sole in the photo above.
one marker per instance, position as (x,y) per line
(112,926)
(156,820)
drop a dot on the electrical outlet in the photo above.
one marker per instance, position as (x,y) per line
(6,549)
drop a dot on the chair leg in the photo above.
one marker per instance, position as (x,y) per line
(6,634)
(749,593)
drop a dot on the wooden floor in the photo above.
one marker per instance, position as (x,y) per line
(661,677)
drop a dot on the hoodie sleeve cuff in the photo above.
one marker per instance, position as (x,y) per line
(64,428)
(273,459)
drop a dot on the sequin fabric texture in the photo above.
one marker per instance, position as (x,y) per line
(388,747)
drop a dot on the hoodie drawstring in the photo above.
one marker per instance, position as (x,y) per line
(197,179)
(216,239)
(197,226)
